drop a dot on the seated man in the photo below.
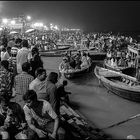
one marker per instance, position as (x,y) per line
(122,62)
(84,60)
(12,119)
(63,95)
(64,65)
(41,118)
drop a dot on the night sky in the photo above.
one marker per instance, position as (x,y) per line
(86,15)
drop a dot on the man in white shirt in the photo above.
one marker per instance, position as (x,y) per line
(22,55)
(39,83)
(7,54)
(3,50)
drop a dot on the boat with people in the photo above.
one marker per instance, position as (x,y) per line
(71,73)
(52,53)
(56,48)
(129,70)
(118,83)
(75,65)
(59,52)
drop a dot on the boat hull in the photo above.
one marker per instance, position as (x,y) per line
(119,88)
(133,96)
(76,74)
(51,54)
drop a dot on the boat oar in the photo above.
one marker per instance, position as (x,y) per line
(116,124)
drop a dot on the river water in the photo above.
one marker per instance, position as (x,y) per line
(99,106)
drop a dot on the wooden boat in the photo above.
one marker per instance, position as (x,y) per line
(72,73)
(52,53)
(119,83)
(115,68)
(55,52)
(58,48)
(94,54)
(131,71)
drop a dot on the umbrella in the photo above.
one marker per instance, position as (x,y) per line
(30,30)
(13,32)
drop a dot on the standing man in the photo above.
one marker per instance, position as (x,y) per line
(22,55)
(22,81)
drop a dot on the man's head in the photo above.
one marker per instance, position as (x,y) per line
(8,49)
(25,43)
(35,50)
(53,77)
(30,98)
(40,73)
(65,82)
(65,59)
(26,66)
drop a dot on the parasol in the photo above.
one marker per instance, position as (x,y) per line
(30,30)
(13,32)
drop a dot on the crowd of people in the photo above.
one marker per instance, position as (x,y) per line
(26,81)
(22,75)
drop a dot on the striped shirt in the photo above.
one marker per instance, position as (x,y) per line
(21,82)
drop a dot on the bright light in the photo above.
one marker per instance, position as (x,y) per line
(1,29)
(28,17)
(13,22)
(5,20)
(38,24)
(55,27)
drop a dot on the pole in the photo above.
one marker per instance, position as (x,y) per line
(121,122)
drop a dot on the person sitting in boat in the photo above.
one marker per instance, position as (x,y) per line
(78,61)
(72,62)
(137,66)
(88,58)
(64,65)
(119,54)
(84,61)
(113,62)
(122,62)
(109,55)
